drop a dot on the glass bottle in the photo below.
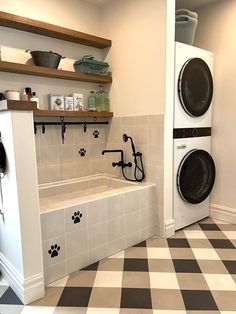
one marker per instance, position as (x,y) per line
(102,100)
(92,102)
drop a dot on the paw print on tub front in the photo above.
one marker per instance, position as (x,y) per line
(54,250)
(77,217)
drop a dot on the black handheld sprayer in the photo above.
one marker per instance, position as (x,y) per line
(139,174)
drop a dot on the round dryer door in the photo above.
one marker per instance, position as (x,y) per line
(196,176)
(195,87)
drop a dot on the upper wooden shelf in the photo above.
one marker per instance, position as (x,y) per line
(50,30)
(19,68)
(82,114)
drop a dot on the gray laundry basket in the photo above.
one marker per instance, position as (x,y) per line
(185,26)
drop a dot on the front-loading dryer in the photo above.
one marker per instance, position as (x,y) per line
(193,86)
(194,175)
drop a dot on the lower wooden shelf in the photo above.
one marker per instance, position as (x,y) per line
(82,114)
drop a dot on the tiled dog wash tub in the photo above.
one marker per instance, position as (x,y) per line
(88,219)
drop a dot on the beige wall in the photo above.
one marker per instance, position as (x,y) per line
(73,14)
(216,32)
(137,56)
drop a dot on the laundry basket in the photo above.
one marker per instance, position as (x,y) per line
(185,26)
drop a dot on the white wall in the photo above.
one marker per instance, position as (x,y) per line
(216,32)
(138,32)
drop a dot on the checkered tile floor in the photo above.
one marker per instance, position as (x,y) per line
(192,272)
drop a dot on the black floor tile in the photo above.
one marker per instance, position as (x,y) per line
(175,242)
(209,227)
(9,297)
(91,267)
(231,266)
(186,266)
(199,300)
(140,244)
(221,244)
(135,264)
(136,298)
(75,296)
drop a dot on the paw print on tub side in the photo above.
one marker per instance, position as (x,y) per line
(54,250)
(82,152)
(77,217)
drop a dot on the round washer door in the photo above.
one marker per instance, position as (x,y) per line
(195,87)
(196,176)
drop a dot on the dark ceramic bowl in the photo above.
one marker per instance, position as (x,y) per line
(47,59)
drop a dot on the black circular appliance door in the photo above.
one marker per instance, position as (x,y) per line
(195,87)
(196,176)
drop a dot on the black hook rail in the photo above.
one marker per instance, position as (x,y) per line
(43,124)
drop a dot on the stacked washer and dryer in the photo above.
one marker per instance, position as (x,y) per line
(194,169)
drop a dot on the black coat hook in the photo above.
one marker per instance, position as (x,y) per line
(43,128)
(85,127)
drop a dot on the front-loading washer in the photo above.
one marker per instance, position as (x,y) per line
(193,86)
(194,175)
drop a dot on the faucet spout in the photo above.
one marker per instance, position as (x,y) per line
(121,163)
(113,151)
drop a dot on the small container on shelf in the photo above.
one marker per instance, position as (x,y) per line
(91,66)
(12,94)
(92,102)
(69,103)
(102,100)
(78,101)
(56,102)
(35,98)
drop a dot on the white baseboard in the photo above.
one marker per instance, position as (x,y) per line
(169,228)
(27,289)
(223,213)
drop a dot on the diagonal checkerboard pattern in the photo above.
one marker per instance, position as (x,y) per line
(192,272)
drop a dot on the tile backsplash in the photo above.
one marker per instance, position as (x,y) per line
(79,156)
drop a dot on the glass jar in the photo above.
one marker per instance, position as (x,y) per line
(92,102)
(102,100)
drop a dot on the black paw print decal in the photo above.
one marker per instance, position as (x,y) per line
(54,250)
(82,152)
(96,134)
(77,217)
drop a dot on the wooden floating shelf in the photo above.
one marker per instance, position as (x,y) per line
(17,105)
(75,114)
(18,68)
(50,30)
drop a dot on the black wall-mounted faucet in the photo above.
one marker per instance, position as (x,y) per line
(120,163)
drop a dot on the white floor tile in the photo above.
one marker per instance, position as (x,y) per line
(102,311)
(162,253)
(3,282)
(220,222)
(230,234)
(222,282)
(118,255)
(163,280)
(10,309)
(38,310)
(108,279)
(205,254)
(59,283)
(168,312)
(195,234)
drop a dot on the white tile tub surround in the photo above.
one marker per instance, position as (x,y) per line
(107,215)
(148,136)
